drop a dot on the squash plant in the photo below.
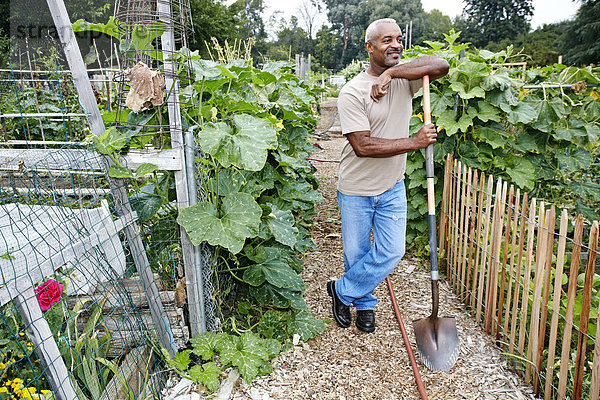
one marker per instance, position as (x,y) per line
(544,140)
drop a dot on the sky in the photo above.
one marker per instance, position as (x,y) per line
(545,11)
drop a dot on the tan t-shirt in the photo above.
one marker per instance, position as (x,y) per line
(389,119)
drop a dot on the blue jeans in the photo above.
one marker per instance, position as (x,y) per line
(366,264)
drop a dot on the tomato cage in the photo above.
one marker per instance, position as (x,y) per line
(99,280)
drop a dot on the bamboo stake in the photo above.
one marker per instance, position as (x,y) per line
(496,259)
(472,238)
(476,240)
(485,240)
(513,245)
(525,304)
(556,300)
(571,294)
(511,197)
(513,322)
(584,317)
(550,224)
(540,264)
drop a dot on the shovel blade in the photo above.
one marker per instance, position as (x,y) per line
(437,342)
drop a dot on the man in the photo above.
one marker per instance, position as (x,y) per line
(375,108)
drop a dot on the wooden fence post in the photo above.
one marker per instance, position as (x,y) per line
(477,240)
(556,300)
(473,239)
(484,246)
(504,264)
(584,317)
(525,305)
(513,322)
(565,355)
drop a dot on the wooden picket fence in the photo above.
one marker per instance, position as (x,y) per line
(505,260)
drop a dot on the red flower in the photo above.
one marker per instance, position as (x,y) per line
(48,293)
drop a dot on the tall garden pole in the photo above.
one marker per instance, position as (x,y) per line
(183,182)
(132,231)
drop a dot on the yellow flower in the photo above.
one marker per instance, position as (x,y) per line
(420,116)
(594,94)
(213,113)
(26,393)
(279,124)
(43,391)
(3,389)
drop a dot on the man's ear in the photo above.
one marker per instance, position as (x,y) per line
(368,47)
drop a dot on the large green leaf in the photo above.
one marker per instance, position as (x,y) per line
(447,121)
(248,353)
(110,28)
(111,141)
(204,345)
(522,173)
(487,112)
(281,223)
(305,324)
(466,92)
(244,146)
(207,374)
(237,219)
(275,271)
(575,161)
(494,137)
(523,113)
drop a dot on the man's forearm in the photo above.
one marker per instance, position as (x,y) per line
(433,66)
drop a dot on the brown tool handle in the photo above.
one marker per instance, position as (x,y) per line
(409,350)
(431,202)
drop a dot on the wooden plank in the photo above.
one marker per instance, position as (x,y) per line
(550,228)
(485,240)
(472,238)
(44,344)
(540,264)
(66,159)
(490,256)
(595,380)
(193,269)
(88,102)
(503,277)
(129,379)
(525,302)
(584,317)
(60,258)
(477,241)
(511,278)
(521,246)
(565,354)
(556,302)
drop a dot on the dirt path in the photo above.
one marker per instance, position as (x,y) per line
(349,364)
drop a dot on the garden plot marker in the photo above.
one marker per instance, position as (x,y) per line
(437,337)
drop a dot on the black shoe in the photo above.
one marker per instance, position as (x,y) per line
(341,312)
(365,320)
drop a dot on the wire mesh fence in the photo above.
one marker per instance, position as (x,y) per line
(528,272)
(63,255)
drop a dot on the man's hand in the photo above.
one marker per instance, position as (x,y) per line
(426,136)
(379,88)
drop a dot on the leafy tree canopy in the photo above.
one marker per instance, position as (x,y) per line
(580,43)
(488,21)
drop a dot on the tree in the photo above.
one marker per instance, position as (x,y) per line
(435,26)
(580,44)
(211,19)
(326,48)
(291,40)
(494,20)
(308,11)
(343,15)
(250,23)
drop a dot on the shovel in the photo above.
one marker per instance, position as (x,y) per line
(437,337)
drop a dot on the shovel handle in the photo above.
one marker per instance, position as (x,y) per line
(430,184)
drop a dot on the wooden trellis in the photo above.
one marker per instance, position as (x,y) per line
(501,249)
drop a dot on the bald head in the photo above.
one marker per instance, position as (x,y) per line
(371,32)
